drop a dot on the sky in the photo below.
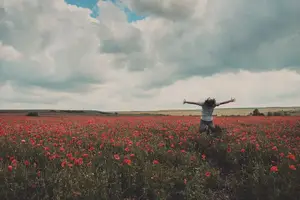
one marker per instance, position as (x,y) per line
(148,55)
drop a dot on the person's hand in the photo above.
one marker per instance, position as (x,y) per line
(184,101)
(232,100)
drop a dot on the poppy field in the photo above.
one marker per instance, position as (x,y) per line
(149,157)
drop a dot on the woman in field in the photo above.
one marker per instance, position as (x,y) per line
(208,106)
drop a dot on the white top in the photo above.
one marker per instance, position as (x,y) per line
(207,113)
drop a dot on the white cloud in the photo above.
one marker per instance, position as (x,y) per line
(51,52)
(9,53)
(275,88)
(170,9)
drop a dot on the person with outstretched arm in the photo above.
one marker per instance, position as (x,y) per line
(208,106)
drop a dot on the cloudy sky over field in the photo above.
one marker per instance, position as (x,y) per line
(148,54)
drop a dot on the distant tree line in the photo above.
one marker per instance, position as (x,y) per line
(256,112)
(33,114)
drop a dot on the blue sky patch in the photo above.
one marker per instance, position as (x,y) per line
(92,5)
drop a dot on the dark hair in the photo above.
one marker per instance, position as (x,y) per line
(210,102)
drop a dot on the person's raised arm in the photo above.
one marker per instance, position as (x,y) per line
(194,103)
(225,102)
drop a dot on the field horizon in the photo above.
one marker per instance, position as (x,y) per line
(242,111)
